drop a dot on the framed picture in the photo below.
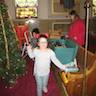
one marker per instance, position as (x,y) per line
(61,27)
(62,7)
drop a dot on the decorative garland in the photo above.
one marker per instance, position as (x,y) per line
(6,42)
(10,54)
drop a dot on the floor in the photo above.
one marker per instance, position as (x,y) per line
(26,85)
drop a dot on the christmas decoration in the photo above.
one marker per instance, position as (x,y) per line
(12,64)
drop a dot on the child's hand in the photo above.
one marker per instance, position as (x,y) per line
(29,46)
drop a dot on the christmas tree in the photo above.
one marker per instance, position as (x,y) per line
(12,64)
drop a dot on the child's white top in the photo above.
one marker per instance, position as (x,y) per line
(43,60)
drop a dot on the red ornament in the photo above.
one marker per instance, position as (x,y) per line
(47,35)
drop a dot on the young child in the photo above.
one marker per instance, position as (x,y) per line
(35,34)
(43,57)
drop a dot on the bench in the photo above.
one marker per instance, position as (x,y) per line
(74,81)
(66,52)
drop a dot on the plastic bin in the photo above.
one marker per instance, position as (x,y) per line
(65,54)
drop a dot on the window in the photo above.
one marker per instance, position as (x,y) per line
(26,8)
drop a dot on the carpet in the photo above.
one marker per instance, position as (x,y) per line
(26,85)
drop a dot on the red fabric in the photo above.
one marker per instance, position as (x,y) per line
(37,35)
(47,35)
(77,30)
(26,85)
(20,30)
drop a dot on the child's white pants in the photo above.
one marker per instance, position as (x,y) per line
(42,82)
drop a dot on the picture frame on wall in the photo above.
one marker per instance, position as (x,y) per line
(60,28)
(63,7)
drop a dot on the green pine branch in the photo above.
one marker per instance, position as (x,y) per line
(17,64)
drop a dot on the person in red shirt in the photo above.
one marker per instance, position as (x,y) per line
(76,30)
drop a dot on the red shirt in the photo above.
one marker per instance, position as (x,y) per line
(76,31)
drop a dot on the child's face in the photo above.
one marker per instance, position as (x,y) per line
(43,43)
(72,17)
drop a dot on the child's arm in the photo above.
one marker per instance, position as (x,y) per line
(30,51)
(56,61)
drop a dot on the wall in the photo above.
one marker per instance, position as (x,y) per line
(44,10)
(11,7)
(45,17)
(46,25)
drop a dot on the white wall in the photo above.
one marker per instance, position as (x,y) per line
(43,9)
(11,7)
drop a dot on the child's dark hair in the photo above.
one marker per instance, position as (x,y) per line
(35,30)
(42,36)
(73,12)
